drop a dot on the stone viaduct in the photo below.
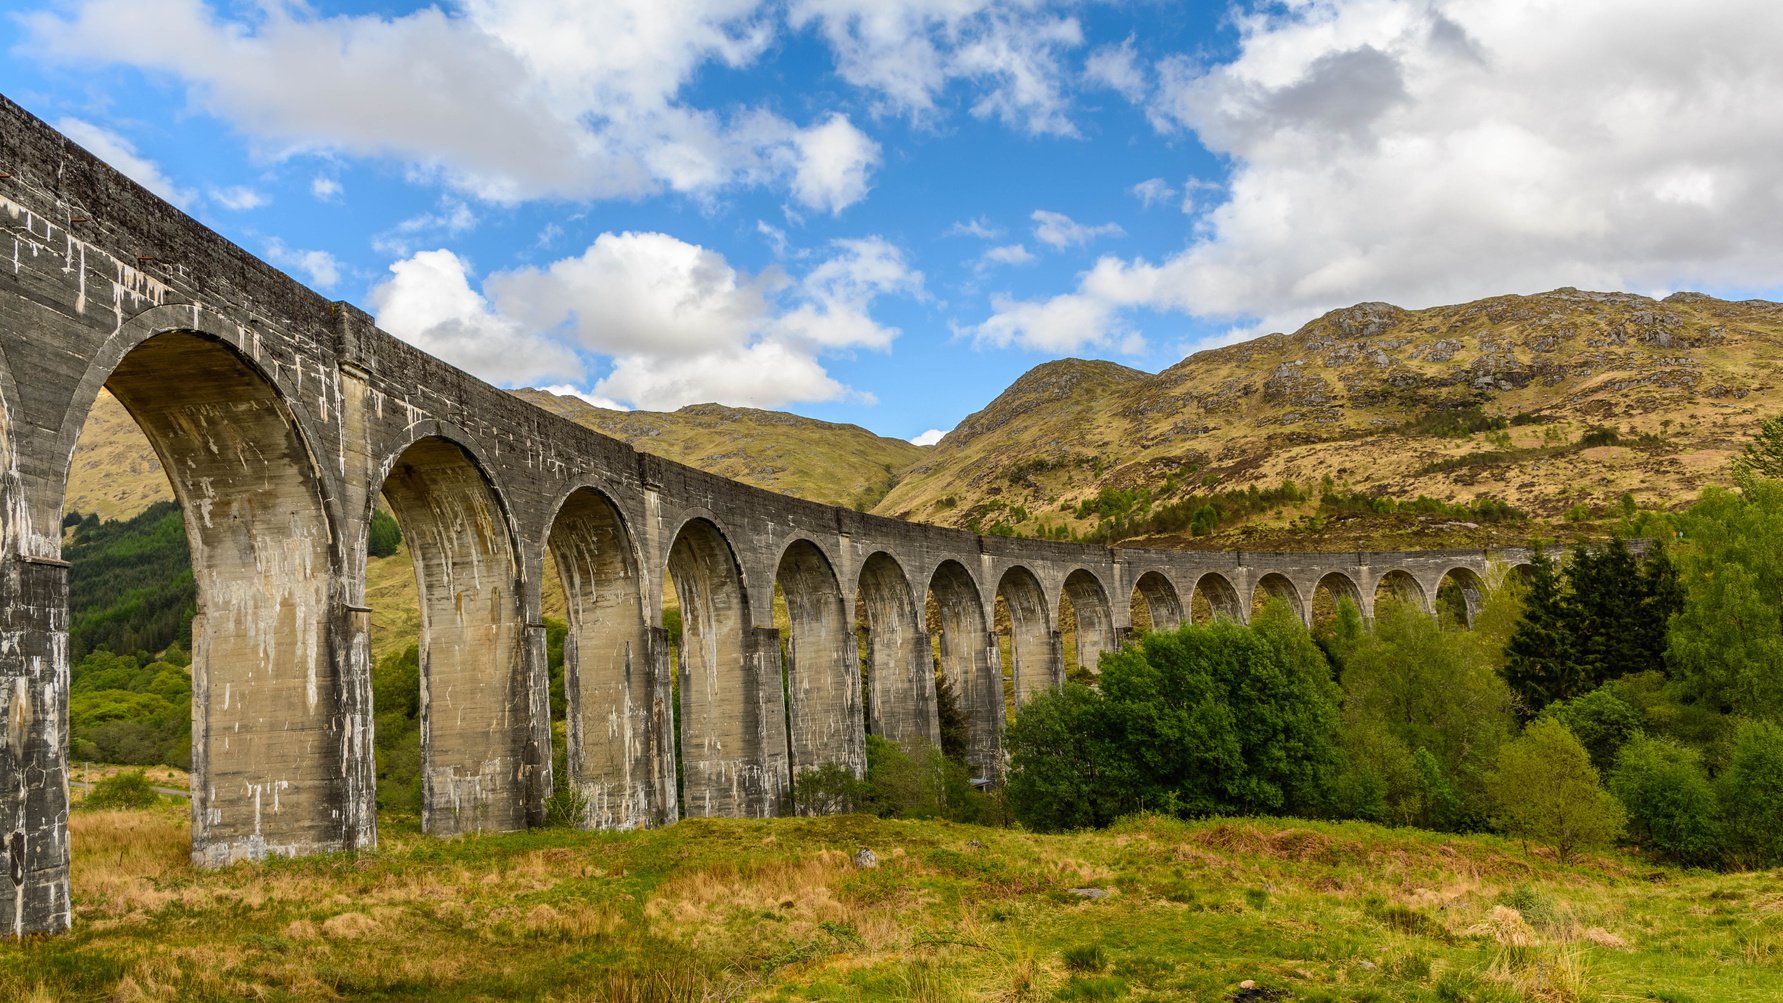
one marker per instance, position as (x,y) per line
(281,417)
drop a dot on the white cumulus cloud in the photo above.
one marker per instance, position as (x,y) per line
(1055,229)
(503,99)
(121,154)
(428,301)
(928,438)
(238,198)
(679,324)
(910,51)
(1441,150)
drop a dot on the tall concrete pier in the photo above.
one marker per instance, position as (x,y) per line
(281,417)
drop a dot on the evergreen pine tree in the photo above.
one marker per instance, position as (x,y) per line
(1540,656)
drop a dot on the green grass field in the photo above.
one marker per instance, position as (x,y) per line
(776,910)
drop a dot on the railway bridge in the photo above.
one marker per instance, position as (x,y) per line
(282,417)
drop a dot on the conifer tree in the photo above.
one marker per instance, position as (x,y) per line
(1540,660)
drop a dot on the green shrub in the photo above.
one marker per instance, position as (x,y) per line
(1215,718)
(1546,789)
(384,536)
(1752,795)
(1671,807)
(129,789)
(1601,721)
(830,789)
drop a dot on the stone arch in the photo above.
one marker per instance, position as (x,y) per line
(823,685)
(1095,617)
(619,721)
(733,738)
(900,675)
(1036,665)
(1400,585)
(277,766)
(1459,593)
(1214,598)
(1156,596)
(1277,586)
(485,739)
(1333,588)
(965,657)
(282,378)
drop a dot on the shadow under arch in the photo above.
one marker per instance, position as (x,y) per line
(900,683)
(1095,618)
(823,687)
(733,723)
(619,719)
(1333,588)
(1155,595)
(1400,586)
(281,754)
(1035,663)
(966,659)
(1277,586)
(1459,594)
(485,719)
(1215,598)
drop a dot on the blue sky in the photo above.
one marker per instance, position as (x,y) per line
(884,211)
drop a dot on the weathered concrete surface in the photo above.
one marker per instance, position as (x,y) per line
(281,417)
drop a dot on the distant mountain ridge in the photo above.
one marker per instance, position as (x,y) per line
(1557,404)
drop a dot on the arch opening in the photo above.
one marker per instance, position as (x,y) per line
(1399,586)
(1458,597)
(964,657)
(484,717)
(1156,604)
(1277,586)
(1033,662)
(617,713)
(276,711)
(733,751)
(823,688)
(1328,595)
(900,682)
(1215,598)
(1092,618)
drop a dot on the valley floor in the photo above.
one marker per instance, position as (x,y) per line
(777,910)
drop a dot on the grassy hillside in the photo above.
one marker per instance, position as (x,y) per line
(1556,404)
(825,462)
(759,910)
(115,474)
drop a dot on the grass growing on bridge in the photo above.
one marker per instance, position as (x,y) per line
(776,910)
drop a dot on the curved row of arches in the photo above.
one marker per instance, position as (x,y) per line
(716,721)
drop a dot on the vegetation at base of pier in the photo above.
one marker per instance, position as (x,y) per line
(1149,908)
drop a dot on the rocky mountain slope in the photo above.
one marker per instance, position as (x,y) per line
(1555,405)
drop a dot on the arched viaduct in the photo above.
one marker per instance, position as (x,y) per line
(281,417)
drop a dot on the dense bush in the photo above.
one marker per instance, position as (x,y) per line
(1601,721)
(1203,719)
(1672,810)
(1544,788)
(1424,709)
(131,709)
(384,536)
(128,789)
(1752,795)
